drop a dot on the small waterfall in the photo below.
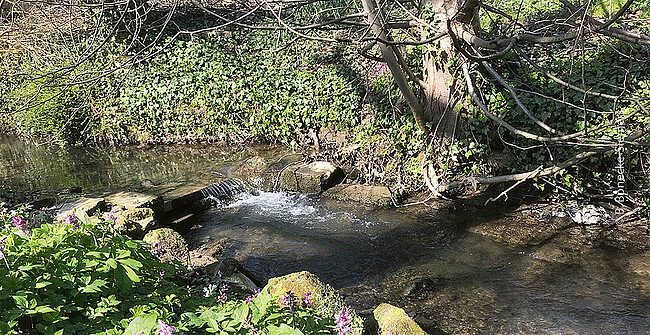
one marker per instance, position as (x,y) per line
(225,190)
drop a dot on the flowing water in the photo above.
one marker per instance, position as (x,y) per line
(422,259)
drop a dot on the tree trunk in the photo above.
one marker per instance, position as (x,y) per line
(441,99)
(376,18)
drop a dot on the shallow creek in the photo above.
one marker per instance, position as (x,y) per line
(425,260)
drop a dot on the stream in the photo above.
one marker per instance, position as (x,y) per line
(423,259)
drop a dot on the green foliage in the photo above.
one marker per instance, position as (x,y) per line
(57,112)
(233,86)
(83,278)
(566,110)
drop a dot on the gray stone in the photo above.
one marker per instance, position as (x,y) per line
(231,272)
(372,195)
(312,178)
(89,205)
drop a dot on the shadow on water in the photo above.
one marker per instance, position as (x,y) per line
(450,280)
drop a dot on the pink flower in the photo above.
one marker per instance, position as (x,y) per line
(72,220)
(165,329)
(342,319)
(307,299)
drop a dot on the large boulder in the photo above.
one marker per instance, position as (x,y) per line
(168,245)
(324,299)
(136,222)
(312,178)
(372,195)
(388,319)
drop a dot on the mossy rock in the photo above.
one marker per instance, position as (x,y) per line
(132,200)
(311,178)
(390,319)
(136,222)
(168,245)
(379,196)
(325,300)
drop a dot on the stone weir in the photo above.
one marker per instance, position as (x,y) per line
(180,213)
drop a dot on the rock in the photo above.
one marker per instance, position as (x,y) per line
(89,205)
(312,178)
(168,245)
(131,200)
(136,222)
(325,300)
(640,264)
(73,190)
(526,229)
(372,195)
(216,248)
(231,272)
(388,318)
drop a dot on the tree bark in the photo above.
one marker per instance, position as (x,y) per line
(440,83)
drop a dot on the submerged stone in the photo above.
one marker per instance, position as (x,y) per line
(372,195)
(312,178)
(232,273)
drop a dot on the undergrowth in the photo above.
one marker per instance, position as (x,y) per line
(79,276)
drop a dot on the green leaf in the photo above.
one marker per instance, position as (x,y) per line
(82,216)
(284,329)
(94,287)
(42,284)
(21,301)
(241,313)
(132,263)
(131,274)
(141,324)
(112,263)
(44,309)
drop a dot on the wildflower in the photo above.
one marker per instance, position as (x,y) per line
(307,299)
(158,251)
(165,329)
(222,298)
(111,215)
(2,248)
(72,220)
(289,300)
(222,293)
(250,298)
(251,328)
(22,225)
(162,273)
(342,319)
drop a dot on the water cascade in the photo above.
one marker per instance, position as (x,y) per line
(225,190)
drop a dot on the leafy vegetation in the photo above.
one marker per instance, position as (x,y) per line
(78,276)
